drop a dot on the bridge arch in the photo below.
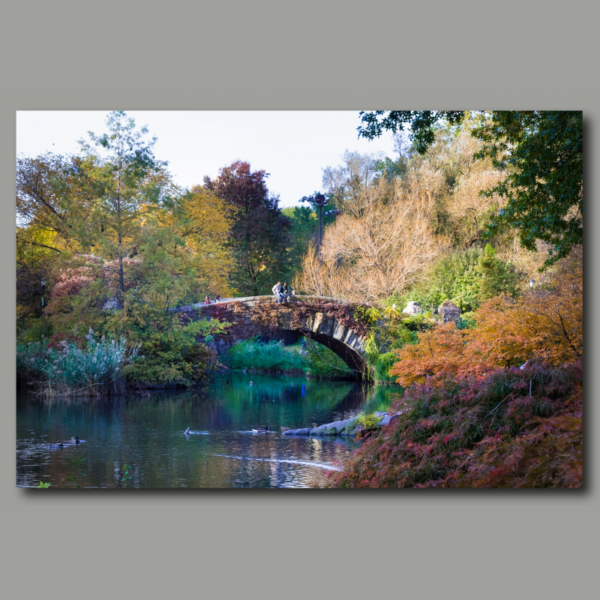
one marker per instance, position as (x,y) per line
(325,320)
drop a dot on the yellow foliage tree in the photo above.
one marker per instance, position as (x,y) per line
(204,222)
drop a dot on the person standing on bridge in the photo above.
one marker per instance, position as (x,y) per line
(277,291)
(285,291)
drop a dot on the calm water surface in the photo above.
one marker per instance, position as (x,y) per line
(147,433)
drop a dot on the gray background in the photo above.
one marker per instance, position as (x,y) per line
(269,55)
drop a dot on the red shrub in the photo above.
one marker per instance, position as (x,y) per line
(469,431)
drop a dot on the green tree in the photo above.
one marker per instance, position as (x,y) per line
(542,154)
(119,192)
(304,229)
(496,277)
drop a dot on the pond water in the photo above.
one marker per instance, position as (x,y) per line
(145,435)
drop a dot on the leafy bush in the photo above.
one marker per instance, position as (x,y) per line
(497,278)
(545,323)
(511,428)
(452,277)
(34,330)
(175,356)
(464,277)
(65,368)
(367,422)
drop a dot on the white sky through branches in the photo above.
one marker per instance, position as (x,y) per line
(293,146)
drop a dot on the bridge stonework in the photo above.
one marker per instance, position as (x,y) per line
(262,316)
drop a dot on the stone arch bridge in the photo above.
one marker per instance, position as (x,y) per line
(333,322)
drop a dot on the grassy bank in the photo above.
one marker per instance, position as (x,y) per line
(274,357)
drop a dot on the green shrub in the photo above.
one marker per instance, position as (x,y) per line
(497,278)
(380,363)
(367,422)
(465,277)
(175,355)
(34,330)
(466,321)
(68,369)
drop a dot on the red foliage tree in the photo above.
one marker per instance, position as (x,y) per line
(260,232)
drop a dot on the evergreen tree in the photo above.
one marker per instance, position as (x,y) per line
(496,277)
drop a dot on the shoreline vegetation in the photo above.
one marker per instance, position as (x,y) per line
(316,361)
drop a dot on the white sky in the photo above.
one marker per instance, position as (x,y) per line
(293,146)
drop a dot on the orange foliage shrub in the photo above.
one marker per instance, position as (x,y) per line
(546,322)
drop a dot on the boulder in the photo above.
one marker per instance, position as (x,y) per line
(412,308)
(330,428)
(448,311)
(389,418)
(305,431)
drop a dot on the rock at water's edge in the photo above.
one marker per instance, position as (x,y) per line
(305,431)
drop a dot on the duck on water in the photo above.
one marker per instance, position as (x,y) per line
(74,440)
(261,429)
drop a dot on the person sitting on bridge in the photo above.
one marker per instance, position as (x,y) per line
(285,289)
(277,291)
(206,300)
(218,298)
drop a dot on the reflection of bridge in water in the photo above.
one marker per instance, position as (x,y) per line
(326,320)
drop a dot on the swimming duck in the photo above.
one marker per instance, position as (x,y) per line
(261,429)
(285,429)
(72,440)
(60,446)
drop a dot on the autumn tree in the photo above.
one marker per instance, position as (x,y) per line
(43,217)
(204,222)
(541,155)
(377,246)
(260,233)
(346,183)
(43,231)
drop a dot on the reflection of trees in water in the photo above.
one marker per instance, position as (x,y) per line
(147,433)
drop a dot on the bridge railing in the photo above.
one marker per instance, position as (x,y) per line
(200,305)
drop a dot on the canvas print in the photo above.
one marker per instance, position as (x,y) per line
(296,299)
